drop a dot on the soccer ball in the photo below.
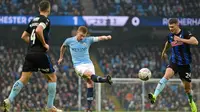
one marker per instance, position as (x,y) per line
(144,74)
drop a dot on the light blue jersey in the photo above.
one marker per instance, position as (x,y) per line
(80,49)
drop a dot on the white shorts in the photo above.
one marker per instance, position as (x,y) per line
(80,69)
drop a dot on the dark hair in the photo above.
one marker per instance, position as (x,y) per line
(173,21)
(83,29)
(44,5)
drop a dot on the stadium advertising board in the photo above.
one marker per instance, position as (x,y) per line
(115,21)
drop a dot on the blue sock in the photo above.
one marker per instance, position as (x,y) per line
(160,86)
(89,97)
(15,90)
(96,78)
(51,94)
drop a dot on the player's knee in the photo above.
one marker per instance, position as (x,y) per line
(90,83)
(51,77)
(187,90)
(88,74)
(25,77)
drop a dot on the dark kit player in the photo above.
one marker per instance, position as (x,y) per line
(179,40)
(37,59)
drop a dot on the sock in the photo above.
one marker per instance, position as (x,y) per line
(89,97)
(96,78)
(51,94)
(190,97)
(160,86)
(15,90)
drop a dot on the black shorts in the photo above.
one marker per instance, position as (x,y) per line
(184,71)
(38,62)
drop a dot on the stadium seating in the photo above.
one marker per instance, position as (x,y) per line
(163,8)
(29,7)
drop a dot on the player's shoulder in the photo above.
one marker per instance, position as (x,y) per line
(43,18)
(70,39)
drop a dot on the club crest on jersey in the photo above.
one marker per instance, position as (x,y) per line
(84,44)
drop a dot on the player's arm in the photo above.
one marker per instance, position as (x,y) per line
(39,32)
(188,38)
(165,49)
(25,36)
(192,40)
(101,38)
(62,50)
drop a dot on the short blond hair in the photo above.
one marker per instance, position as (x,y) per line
(83,29)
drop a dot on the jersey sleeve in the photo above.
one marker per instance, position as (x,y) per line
(187,34)
(92,39)
(28,29)
(43,21)
(66,42)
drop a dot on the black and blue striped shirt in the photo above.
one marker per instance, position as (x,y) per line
(180,52)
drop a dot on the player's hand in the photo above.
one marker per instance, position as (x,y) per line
(177,38)
(46,46)
(60,60)
(163,56)
(109,37)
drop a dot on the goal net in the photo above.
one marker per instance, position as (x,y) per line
(132,95)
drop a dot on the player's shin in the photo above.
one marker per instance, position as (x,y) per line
(96,78)
(189,95)
(89,97)
(160,86)
(51,94)
(15,90)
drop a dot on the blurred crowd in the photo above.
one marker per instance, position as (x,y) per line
(166,8)
(163,8)
(126,62)
(172,98)
(30,7)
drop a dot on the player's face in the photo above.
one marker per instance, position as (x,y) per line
(80,35)
(173,27)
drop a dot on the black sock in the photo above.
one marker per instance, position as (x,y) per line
(96,78)
(89,97)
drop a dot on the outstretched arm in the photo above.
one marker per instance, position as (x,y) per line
(100,38)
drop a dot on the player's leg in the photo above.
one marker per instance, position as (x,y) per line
(96,78)
(188,91)
(87,71)
(160,86)
(185,76)
(52,79)
(18,85)
(46,67)
(27,70)
(90,94)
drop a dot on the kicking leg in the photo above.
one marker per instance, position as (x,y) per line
(168,74)
(97,79)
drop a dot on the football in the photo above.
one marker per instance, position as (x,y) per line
(144,74)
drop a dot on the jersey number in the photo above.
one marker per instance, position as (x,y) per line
(33,36)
